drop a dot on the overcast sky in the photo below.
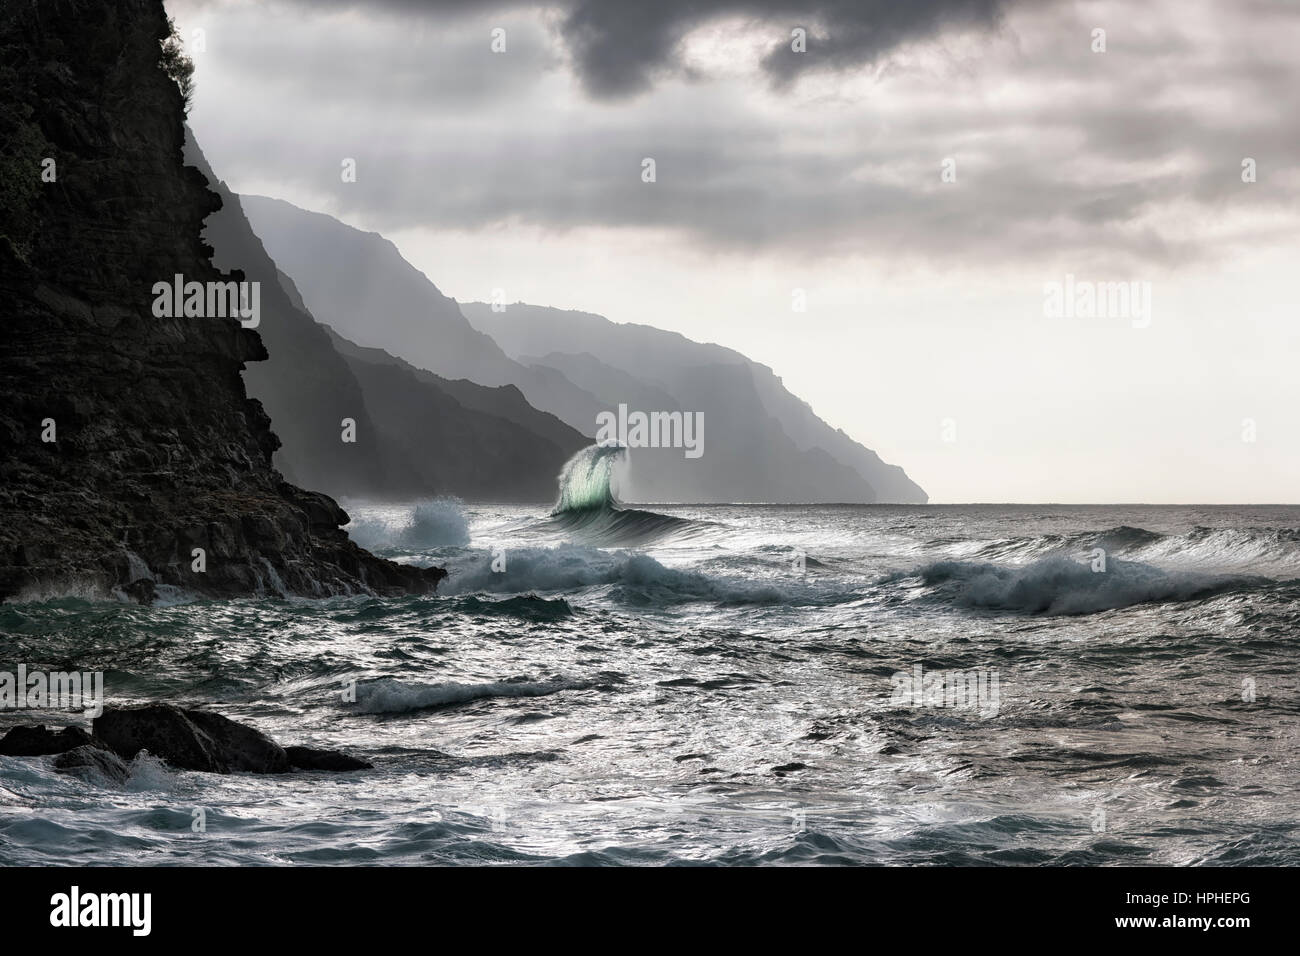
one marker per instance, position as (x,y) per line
(925,335)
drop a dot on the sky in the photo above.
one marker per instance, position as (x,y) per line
(882,217)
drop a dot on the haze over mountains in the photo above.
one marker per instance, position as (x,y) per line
(415,433)
(761,443)
(762,424)
(358,284)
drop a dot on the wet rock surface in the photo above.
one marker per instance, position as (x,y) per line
(308,758)
(186,738)
(93,763)
(190,739)
(205,740)
(38,741)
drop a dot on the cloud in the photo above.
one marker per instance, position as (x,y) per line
(1128,158)
(620,47)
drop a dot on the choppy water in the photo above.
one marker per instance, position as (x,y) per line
(718,685)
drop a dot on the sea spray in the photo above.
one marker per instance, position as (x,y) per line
(434,523)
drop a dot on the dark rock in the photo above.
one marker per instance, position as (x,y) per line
(155,435)
(785,768)
(307,758)
(242,747)
(36,741)
(190,739)
(165,731)
(141,591)
(93,761)
(200,740)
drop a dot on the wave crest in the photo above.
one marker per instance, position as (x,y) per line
(435,523)
(390,696)
(586,480)
(1058,586)
(571,567)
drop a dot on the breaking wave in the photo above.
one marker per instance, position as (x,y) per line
(390,696)
(570,567)
(1058,586)
(587,480)
(588,506)
(1276,549)
(436,523)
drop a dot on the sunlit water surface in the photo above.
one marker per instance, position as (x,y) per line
(717,685)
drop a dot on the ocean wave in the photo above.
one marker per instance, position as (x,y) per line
(588,507)
(1057,586)
(587,480)
(528,607)
(1206,547)
(1121,539)
(1277,548)
(390,696)
(624,527)
(569,567)
(435,523)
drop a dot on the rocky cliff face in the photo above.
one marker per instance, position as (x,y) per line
(127,441)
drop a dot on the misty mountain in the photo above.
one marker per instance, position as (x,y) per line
(305,386)
(747,456)
(416,434)
(762,443)
(476,441)
(358,284)
(589,349)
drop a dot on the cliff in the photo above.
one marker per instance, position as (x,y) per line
(126,440)
(505,450)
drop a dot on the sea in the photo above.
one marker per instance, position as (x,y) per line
(726,684)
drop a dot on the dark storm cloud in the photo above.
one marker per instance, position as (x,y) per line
(1133,154)
(619,47)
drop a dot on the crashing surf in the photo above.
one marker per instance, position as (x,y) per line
(588,505)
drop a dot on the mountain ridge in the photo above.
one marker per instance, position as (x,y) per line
(765,444)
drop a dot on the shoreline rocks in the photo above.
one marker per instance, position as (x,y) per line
(187,739)
(92,761)
(37,741)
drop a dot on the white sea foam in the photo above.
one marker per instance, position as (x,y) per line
(435,523)
(390,696)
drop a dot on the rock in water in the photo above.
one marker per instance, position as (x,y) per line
(93,762)
(241,746)
(165,731)
(190,739)
(203,740)
(308,758)
(37,741)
